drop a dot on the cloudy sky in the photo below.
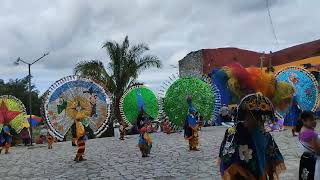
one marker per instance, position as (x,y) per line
(74,30)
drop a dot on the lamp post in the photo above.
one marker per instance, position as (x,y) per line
(29,78)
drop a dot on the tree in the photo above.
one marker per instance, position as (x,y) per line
(19,89)
(126,63)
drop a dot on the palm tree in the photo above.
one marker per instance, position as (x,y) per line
(126,63)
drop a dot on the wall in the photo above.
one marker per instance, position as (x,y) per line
(191,64)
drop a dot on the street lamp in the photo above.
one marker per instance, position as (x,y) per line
(29,78)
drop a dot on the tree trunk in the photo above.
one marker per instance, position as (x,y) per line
(115,116)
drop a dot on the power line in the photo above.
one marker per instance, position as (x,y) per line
(271,23)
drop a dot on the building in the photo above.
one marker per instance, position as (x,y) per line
(205,60)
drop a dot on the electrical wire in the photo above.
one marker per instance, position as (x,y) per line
(271,23)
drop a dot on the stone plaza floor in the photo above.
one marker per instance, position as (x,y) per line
(110,158)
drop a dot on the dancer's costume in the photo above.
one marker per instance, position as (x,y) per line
(81,137)
(6,138)
(145,142)
(293,115)
(166,127)
(191,128)
(251,155)
(122,131)
(310,160)
(50,140)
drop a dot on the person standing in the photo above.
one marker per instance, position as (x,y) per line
(247,150)
(224,113)
(166,126)
(122,130)
(145,141)
(50,140)
(25,136)
(81,137)
(310,140)
(6,138)
(140,119)
(191,128)
(116,128)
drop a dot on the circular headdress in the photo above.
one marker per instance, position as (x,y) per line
(174,103)
(72,98)
(305,85)
(136,98)
(12,111)
(257,104)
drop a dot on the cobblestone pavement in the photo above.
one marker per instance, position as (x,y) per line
(113,159)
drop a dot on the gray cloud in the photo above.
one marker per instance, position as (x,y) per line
(75,30)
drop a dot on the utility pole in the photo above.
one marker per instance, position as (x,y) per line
(30,93)
(262,57)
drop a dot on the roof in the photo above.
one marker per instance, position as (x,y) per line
(297,52)
(223,56)
(313,62)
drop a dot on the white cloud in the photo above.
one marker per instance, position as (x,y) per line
(75,30)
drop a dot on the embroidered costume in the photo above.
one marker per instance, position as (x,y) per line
(251,154)
(191,128)
(50,140)
(5,138)
(122,131)
(145,142)
(81,137)
(166,127)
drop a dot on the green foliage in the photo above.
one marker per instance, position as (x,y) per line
(19,89)
(175,101)
(126,63)
(130,104)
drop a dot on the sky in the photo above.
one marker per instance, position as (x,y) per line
(75,30)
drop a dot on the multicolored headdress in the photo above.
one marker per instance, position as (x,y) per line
(258,105)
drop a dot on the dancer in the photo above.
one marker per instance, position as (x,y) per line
(310,140)
(122,130)
(224,113)
(145,141)
(247,151)
(140,119)
(166,126)
(81,137)
(74,134)
(6,138)
(191,128)
(50,140)
(25,136)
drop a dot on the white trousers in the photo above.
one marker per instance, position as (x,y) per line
(116,133)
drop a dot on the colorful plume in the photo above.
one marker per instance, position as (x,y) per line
(242,81)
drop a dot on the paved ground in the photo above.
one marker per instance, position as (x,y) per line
(113,159)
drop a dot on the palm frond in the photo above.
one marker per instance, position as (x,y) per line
(96,71)
(147,62)
(137,50)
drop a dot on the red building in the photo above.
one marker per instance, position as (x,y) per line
(204,60)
